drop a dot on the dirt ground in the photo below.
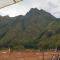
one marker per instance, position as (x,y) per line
(27,55)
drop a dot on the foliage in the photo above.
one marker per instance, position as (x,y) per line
(38,29)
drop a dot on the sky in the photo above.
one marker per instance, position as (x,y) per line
(21,8)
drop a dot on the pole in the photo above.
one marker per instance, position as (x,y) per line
(43,55)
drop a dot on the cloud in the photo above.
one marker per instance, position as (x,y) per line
(21,8)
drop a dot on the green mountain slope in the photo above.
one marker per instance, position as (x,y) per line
(38,29)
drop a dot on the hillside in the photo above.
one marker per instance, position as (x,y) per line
(38,29)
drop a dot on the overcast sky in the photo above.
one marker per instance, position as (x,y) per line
(21,8)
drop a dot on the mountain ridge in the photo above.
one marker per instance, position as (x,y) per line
(32,9)
(38,29)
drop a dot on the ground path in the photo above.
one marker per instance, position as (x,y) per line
(27,55)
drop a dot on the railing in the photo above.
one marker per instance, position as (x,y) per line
(55,57)
(14,2)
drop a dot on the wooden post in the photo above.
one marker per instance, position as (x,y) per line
(43,55)
(9,50)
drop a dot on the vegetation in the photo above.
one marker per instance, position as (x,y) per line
(38,29)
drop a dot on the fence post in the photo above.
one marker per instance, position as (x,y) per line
(43,55)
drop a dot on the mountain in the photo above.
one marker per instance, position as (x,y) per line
(38,29)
